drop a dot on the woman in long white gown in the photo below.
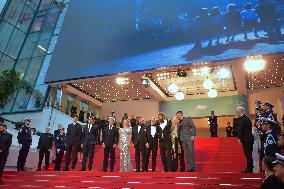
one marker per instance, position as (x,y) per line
(125,134)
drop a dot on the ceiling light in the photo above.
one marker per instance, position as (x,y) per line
(173,88)
(122,80)
(212,93)
(224,73)
(254,65)
(208,84)
(179,95)
(204,71)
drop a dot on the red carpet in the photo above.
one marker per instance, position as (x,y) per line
(218,160)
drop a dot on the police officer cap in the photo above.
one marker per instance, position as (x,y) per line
(257,101)
(269,104)
(92,117)
(28,119)
(279,159)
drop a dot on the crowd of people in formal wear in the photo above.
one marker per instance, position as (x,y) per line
(262,141)
(174,138)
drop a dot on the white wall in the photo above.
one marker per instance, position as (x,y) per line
(41,119)
(144,108)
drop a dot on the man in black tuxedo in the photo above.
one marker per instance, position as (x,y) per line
(164,129)
(109,143)
(88,142)
(152,138)
(245,138)
(45,145)
(73,136)
(139,139)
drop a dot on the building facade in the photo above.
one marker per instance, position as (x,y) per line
(28,31)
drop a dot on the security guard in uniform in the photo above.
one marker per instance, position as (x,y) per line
(45,144)
(270,144)
(258,114)
(60,148)
(212,120)
(269,114)
(25,141)
(5,143)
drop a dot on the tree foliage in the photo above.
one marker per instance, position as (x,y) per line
(10,84)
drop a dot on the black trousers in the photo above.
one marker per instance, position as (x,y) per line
(88,151)
(153,149)
(3,160)
(247,148)
(46,154)
(166,156)
(178,157)
(58,160)
(22,158)
(213,131)
(109,152)
(71,148)
(140,150)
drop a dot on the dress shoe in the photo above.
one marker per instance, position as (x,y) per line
(154,170)
(191,170)
(90,169)
(104,170)
(65,169)
(83,169)
(38,170)
(246,171)
(111,170)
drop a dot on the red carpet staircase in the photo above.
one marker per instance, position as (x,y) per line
(218,160)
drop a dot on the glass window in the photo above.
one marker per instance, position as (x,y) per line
(2,5)
(21,101)
(42,44)
(30,76)
(14,11)
(33,3)
(46,4)
(51,19)
(25,19)
(43,70)
(6,63)
(37,103)
(21,66)
(33,69)
(41,48)
(38,21)
(6,31)
(15,43)
(29,45)
(1,54)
